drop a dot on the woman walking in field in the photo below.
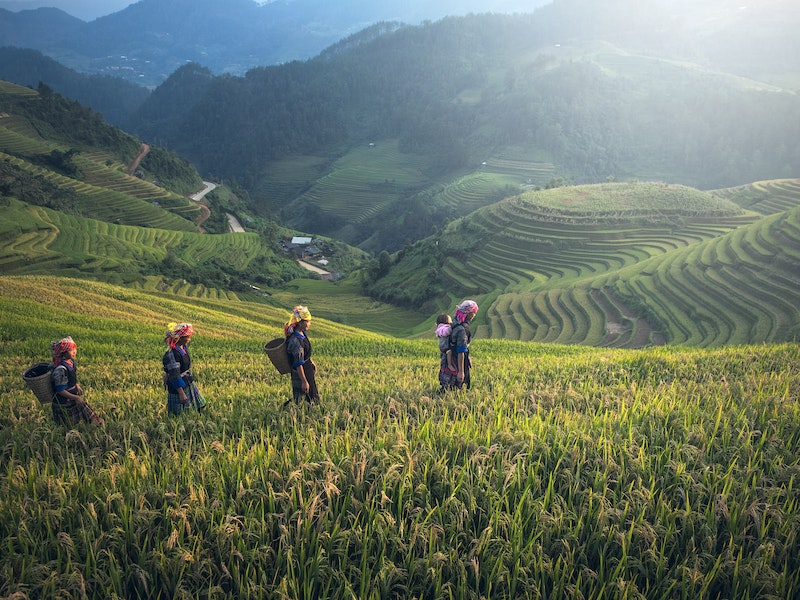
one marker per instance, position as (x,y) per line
(182,391)
(69,407)
(298,347)
(458,375)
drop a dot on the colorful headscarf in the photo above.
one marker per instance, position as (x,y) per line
(465,309)
(59,347)
(175,331)
(299,313)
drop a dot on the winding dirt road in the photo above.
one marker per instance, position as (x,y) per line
(135,164)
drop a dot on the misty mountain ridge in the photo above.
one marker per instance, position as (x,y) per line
(573,92)
(452,104)
(148,40)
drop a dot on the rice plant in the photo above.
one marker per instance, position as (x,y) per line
(564,472)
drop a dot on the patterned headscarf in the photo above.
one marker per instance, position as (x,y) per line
(175,331)
(299,313)
(465,309)
(59,347)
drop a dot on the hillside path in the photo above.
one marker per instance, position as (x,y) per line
(312,268)
(234,224)
(207,187)
(198,197)
(135,164)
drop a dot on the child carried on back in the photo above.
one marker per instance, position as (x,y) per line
(444,326)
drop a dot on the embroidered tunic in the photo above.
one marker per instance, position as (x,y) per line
(298,347)
(177,375)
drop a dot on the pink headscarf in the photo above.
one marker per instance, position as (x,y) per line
(175,331)
(465,309)
(59,347)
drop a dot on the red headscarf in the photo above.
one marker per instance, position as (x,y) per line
(59,347)
(175,331)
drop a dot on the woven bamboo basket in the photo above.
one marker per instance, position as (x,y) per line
(276,351)
(38,379)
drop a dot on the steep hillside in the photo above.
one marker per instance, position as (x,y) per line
(39,240)
(70,205)
(615,265)
(591,265)
(456,99)
(32,121)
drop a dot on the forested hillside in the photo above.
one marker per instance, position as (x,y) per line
(468,110)
(82,198)
(114,98)
(543,89)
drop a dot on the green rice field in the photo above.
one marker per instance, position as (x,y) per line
(564,472)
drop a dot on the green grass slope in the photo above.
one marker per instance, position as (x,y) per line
(564,472)
(621,265)
(371,185)
(69,206)
(42,241)
(47,142)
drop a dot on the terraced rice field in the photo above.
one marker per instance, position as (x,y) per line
(106,204)
(369,180)
(523,171)
(365,183)
(470,192)
(766,197)
(563,472)
(43,241)
(582,277)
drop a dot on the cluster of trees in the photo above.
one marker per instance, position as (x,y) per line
(60,161)
(172,171)
(58,118)
(19,183)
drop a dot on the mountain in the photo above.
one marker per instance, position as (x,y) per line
(400,137)
(112,97)
(370,141)
(614,264)
(81,198)
(149,39)
(85,10)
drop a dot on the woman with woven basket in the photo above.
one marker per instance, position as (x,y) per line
(298,349)
(69,407)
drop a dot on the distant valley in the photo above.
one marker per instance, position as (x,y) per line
(428,162)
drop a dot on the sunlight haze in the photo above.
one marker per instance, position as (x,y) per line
(86,10)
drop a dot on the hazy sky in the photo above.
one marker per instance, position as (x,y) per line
(83,9)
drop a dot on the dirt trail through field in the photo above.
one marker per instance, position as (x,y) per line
(135,164)
(205,212)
